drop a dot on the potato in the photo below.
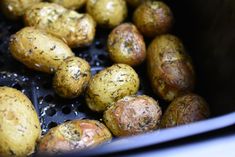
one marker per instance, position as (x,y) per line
(13,9)
(184,110)
(19,124)
(107,13)
(133,115)
(38,50)
(169,67)
(75,29)
(126,45)
(74,135)
(70,4)
(153,18)
(110,85)
(72,77)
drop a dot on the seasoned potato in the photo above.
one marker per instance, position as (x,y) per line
(70,4)
(184,110)
(74,135)
(19,124)
(133,115)
(39,50)
(107,13)
(110,85)
(169,67)
(72,77)
(153,18)
(126,45)
(75,29)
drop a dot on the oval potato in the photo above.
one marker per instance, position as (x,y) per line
(70,4)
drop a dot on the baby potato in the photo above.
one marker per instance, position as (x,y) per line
(126,45)
(107,13)
(153,18)
(110,85)
(169,67)
(133,115)
(75,135)
(184,110)
(75,29)
(19,124)
(70,4)
(72,77)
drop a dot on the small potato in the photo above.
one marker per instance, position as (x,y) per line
(126,45)
(153,18)
(133,115)
(169,67)
(70,4)
(110,85)
(107,13)
(19,124)
(75,29)
(184,110)
(75,135)
(72,77)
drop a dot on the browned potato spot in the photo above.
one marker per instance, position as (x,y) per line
(70,4)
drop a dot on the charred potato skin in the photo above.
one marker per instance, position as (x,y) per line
(133,115)
(70,4)
(169,67)
(184,110)
(19,124)
(126,45)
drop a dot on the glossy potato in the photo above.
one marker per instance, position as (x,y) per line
(70,4)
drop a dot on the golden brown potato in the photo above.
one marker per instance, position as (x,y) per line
(133,115)
(126,45)
(72,77)
(19,124)
(153,18)
(107,13)
(39,50)
(184,110)
(110,85)
(74,135)
(169,67)
(70,4)
(75,29)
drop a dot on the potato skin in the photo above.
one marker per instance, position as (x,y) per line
(72,77)
(75,29)
(133,115)
(184,110)
(169,67)
(107,13)
(110,85)
(70,4)
(126,45)
(19,124)
(38,50)
(153,18)
(74,135)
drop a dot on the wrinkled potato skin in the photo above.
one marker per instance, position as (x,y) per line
(126,45)
(72,77)
(75,29)
(169,67)
(184,110)
(70,4)
(110,85)
(39,50)
(107,16)
(133,115)
(153,18)
(74,135)
(19,124)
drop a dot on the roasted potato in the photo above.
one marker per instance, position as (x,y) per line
(39,50)
(126,45)
(72,77)
(169,67)
(107,13)
(19,124)
(184,110)
(75,29)
(110,85)
(133,115)
(70,4)
(153,18)
(75,135)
